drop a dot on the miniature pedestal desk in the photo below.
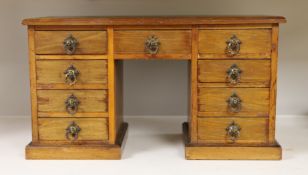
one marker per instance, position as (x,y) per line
(76,83)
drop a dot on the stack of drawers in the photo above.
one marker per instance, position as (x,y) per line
(71,82)
(233,86)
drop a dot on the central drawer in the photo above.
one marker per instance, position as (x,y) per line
(90,129)
(167,42)
(55,74)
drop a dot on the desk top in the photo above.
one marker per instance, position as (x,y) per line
(167,20)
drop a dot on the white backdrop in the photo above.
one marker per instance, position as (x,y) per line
(153,87)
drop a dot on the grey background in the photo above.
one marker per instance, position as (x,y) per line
(153,87)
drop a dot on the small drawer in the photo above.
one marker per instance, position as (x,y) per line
(235,72)
(73,129)
(153,43)
(71,74)
(247,44)
(71,103)
(232,130)
(70,42)
(233,102)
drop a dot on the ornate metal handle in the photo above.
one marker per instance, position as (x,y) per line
(234,74)
(152,45)
(71,74)
(234,103)
(72,131)
(70,44)
(72,104)
(233,46)
(233,131)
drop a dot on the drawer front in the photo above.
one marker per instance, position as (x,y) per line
(170,41)
(233,102)
(94,129)
(232,130)
(219,44)
(72,101)
(234,72)
(54,74)
(88,42)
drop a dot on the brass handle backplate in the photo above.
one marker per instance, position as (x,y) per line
(234,74)
(233,46)
(152,45)
(72,104)
(233,131)
(72,131)
(71,74)
(70,45)
(234,103)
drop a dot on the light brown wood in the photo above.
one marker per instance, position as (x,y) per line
(194,88)
(71,57)
(235,26)
(252,71)
(119,78)
(213,130)
(254,43)
(55,129)
(50,73)
(153,21)
(133,42)
(65,114)
(33,76)
(111,87)
(133,56)
(273,85)
(230,152)
(213,101)
(89,100)
(70,28)
(88,151)
(89,42)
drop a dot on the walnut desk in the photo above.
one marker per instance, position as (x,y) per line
(76,83)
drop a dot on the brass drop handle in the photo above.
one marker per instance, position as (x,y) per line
(70,44)
(234,74)
(71,74)
(233,131)
(72,131)
(233,46)
(152,44)
(234,103)
(71,104)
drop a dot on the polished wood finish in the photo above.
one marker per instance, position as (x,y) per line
(89,100)
(92,74)
(55,129)
(252,71)
(105,41)
(213,130)
(213,101)
(89,42)
(255,44)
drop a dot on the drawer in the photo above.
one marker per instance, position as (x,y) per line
(93,129)
(88,42)
(233,102)
(169,42)
(71,102)
(232,130)
(247,44)
(235,72)
(55,74)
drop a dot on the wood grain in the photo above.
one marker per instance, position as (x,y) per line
(50,73)
(252,71)
(213,130)
(213,101)
(254,43)
(89,42)
(171,42)
(71,57)
(89,100)
(55,129)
